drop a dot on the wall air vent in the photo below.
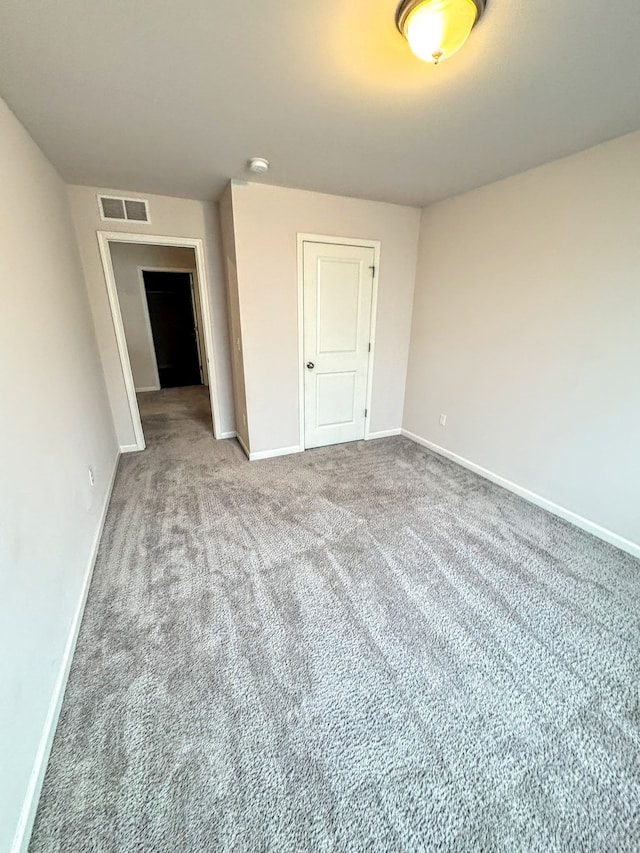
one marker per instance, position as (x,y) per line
(124,209)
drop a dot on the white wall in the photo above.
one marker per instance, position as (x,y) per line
(55,423)
(267,220)
(126,259)
(171,217)
(526,332)
(233,300)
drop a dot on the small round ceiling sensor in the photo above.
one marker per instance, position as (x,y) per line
(258,165)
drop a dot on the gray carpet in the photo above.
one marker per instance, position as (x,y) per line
(364,647)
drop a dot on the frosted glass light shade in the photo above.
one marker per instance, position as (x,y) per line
(436,29)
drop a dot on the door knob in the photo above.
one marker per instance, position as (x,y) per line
(310,365)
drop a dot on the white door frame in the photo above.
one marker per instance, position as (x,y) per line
(341,241)
(106,237)
(145,308)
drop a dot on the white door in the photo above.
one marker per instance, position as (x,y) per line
(338,287)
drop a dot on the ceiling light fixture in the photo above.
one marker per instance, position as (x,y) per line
(258,165)
(436,29)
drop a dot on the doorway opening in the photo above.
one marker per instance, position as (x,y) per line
(175,321)
(337,302)
(159,302)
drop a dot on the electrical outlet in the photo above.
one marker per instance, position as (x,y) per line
(443,420)
(92,479)
(244,419)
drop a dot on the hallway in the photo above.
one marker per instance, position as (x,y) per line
(174,414)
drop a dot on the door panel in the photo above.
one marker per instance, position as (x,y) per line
(337,291)
(173,328)
(336,399)
(338,303)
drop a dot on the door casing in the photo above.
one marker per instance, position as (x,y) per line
(340,241)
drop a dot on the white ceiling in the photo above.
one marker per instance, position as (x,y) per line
(174,97)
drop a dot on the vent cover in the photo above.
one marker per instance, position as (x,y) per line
(124,209)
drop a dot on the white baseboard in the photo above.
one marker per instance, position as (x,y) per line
(32,795)
(150,388)
(270,454)
(609,536)
(267,454)
(243,446)
(385,433)
(128,448)
(232,434)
